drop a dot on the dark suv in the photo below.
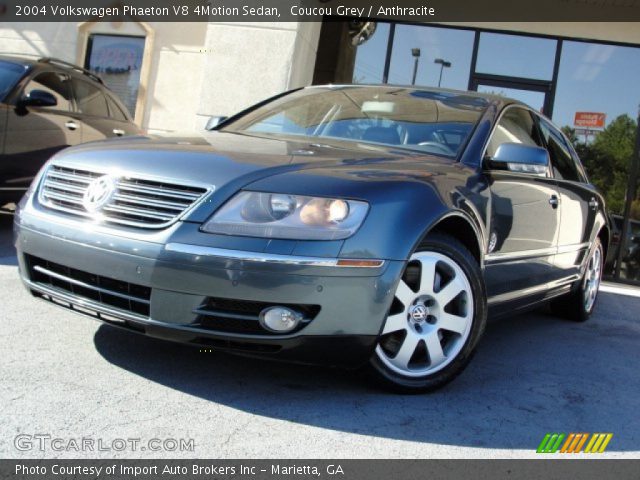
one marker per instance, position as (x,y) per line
(45,106)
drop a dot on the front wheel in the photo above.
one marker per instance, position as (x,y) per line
(436,318)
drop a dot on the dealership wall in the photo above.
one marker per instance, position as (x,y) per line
(196,69)
(248,62)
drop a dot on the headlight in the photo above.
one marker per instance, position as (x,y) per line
(295,217)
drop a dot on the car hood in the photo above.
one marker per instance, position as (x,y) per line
(225,162)
(218,157)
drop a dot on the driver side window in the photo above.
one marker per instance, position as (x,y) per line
(57,84)
(515,126)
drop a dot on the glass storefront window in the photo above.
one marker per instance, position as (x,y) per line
(370,57)
(596,78)
(516,56)
(534,99)
(629,269)
(451,45)
(117,60)
(602,78)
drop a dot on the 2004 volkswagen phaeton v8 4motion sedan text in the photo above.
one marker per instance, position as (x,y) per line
(361,226)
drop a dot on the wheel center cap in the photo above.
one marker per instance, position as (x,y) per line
(418,313)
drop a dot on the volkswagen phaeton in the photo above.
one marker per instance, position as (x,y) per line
(371,227)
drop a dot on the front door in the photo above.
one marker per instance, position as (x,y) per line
(34,134)
(579,204)
(525,218)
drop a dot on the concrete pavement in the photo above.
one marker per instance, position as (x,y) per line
(70,377)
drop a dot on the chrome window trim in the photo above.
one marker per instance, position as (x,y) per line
(197,250)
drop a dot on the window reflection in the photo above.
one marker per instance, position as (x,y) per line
(516,56)
(370,57)
(451,45)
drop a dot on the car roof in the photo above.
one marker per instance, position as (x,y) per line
(31,62)
(19,60)
(492,98)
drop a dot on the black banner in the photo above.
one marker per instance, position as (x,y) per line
(560,469)
(316,10)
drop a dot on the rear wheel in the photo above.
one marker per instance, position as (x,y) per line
(579,304)
(436,319)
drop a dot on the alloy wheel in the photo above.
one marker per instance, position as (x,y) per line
(592,279)
(430,318)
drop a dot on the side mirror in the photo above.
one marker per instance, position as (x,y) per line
(517,157)
(38,98)
(213,122)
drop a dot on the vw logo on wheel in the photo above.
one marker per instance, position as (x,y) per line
(419,313)
(99,192)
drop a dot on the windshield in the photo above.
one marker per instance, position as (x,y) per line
(431,122)
(10,73)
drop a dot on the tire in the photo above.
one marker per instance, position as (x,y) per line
(435,321)
(579,304)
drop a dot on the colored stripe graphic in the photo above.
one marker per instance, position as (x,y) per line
(598,442)
(550,443)
(573,443)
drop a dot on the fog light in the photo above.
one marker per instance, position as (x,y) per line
(279,319)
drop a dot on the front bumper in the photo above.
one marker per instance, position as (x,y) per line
(352,302)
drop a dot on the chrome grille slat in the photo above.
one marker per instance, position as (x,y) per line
(147,201)
(132,187)
(66,176)
(137,212)
(64,186)
(63,197)
(136,202)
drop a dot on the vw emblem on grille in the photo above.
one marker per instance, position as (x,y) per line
(98,193)
(418,313)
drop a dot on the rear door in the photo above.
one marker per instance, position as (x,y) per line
(524,217)
(100,115)
(579,204)
(120,121)
(34,134)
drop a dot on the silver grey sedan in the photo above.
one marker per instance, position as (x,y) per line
(368,227)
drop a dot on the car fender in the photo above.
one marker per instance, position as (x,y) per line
(405,205)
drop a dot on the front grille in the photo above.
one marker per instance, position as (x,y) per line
(241,316)
(135,202)
(125,296)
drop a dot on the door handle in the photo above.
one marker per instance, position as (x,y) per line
(118,131)
(71,125)
(593,203)
(553,201)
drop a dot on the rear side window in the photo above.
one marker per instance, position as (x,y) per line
(115,111)
(57,84)
(562,162)
(515,126)
(90,99)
